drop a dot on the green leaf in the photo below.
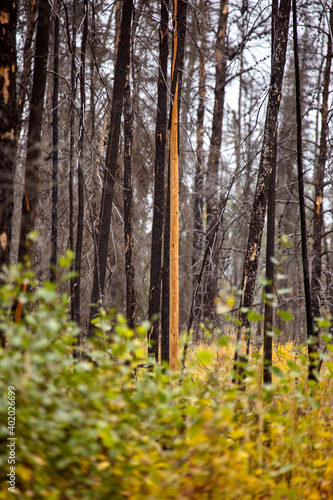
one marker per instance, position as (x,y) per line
(254,316)
(224,340)
(264,281)
(67,259)
(285,315)
(33,236)
(277,371)
(204,357)
(48,292)
(323,323)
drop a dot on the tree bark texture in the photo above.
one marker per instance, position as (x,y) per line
(214,158)
(160,143)
(270,241)
(72,45)
(55,153)
(179,15)
(312,347)
(8,124)
(80,176)
(128,205)
(318,217)
(31,185)
(165,308)
(199,174)
(111,157)
(27,56)
(264,175)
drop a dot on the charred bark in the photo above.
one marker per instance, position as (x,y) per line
(198,180)
(30,192)
(55,153)
(128,205)
(27,56)
(214,158)
(80,176)
(318,217)
(8,125)
(111,158)
(270,241)
(264,175)
(165,308)
(72,46)
(157,229)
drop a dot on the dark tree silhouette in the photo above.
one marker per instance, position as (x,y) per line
(160,143)
(111,158)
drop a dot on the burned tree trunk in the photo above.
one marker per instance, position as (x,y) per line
(157,229)
(318,218)
(270,241)
(30,193)
(80,177)
(128,205)
(111,158)
(8,124)
(214,159)
(264,175)
(198,180)
(55,155)
(27,56)
(312,347)
(72,46)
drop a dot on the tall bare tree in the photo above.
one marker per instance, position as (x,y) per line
(199,174)
(31,185)
(264,177)
(8,124)
(111,157)
(270,244)
(214,158)
(312,346)
(55,152)
(160,144)
(80,175)
(179,18)
(128,203)
(318,216)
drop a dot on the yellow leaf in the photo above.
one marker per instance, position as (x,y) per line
(319,463)
(103,465)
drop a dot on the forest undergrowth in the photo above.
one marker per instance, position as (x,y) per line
(107,427)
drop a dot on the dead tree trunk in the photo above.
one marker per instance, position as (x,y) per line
(318,217)
(264,175)
(111,159)
(72,47)
(8,125)
(198,180)
(312,347)
(128,205)
(165,307)
(179,14)
(214,159)
(27,56)
(80,177)
(270,241)
(30,193)
(55,154)
(160,143)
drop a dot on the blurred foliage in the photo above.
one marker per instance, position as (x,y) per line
(107,427)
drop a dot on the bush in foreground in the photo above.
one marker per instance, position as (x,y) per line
(99,428)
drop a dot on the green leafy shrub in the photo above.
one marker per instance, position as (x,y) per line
(104,428)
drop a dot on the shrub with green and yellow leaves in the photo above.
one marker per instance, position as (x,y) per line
(105,428)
